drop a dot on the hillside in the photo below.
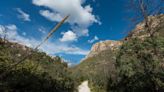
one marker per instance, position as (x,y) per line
(101,63)
(39,72)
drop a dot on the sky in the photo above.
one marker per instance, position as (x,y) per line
(29,21)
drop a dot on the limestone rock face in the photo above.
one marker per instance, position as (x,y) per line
(104,45)
(140,32)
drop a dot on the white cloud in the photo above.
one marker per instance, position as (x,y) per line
(23,15)
(51,15)
(81,17)
(93,40)
(68,36)
(11,27)
(81,31)
(79,14)
(53,48)
(49,47)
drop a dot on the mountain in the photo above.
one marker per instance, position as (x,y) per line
(100,64)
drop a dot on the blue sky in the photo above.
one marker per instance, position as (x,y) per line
(90,21)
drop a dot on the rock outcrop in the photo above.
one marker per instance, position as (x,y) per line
(104,45)
(139,31)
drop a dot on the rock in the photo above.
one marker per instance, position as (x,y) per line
(140,32)
(104,45)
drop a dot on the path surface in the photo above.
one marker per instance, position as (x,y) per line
(84,87)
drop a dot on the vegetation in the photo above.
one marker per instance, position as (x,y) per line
(96,70)
(139,63)
(38,73)
(138,66)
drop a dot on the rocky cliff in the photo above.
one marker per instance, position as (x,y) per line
(104,45)
(154,22)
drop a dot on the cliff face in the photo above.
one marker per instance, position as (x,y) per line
(104,45)
(140,32)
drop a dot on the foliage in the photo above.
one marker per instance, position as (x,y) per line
(140,65)
(96,70)
(39,73)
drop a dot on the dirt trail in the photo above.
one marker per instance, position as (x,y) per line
(84,87)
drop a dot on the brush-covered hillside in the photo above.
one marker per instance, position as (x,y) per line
(37,73)
(134,64)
